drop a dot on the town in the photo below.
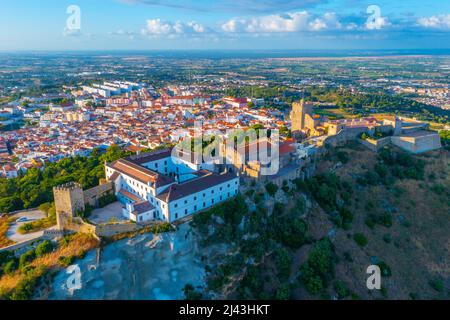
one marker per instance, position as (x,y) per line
(205,163)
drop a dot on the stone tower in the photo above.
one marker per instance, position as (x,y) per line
(298,113)
(69,200)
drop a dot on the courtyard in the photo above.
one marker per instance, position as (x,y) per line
(110,213)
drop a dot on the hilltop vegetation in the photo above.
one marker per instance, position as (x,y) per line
(35,186)
(20,277)
(315,238)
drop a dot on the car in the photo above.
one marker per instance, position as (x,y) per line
(22,219)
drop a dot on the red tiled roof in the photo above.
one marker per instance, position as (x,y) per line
(129,195)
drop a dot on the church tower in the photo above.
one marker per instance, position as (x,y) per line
(298,114)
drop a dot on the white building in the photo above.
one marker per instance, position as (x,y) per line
(153,187)
(9,171)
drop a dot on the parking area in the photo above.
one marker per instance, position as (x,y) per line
(24,217)
(112,212)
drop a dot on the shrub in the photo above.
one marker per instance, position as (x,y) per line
(26,258)
(44,248)
(10,267)
(319,267)
(360,239)
(271,189)
(385,219)
(437,285)
(107,199)
(370,222)
(385,269)
(283,261)
(314,285)
(6,256)
(25,288)
(341,289)
(65,261)
(190,293)
(342,156)
(283,292)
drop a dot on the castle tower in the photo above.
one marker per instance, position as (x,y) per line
(298,113)
(69,200)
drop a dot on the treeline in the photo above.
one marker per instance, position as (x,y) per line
(356,103)
(35,187)
(379,102)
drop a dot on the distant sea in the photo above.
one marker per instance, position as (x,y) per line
(239,54)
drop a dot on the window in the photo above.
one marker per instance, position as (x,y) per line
(220,188)
(185,201)
(185,211)
(204,204)
(176,215)
(165,163)
(212,191)
(195,208)
(195,198)
(176,205)
(204,195)
(220,198)
(156,165)
(228,194)
(212,201)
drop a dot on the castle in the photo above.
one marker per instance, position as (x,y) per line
(71,201)
(408,134)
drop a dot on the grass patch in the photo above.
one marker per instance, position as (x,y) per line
(4,226)
(35,226)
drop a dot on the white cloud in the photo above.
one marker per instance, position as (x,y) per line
(439,22)
(288,22)
(157,27)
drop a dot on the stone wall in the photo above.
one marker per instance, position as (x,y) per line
(375,145)
(23,244)
(109,230)
(418,144)
(92,195)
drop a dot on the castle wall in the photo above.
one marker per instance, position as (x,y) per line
(375,145)
(418,144)
(92,195)
(109,230)
(69,198)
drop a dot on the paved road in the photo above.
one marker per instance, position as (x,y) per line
(31,216)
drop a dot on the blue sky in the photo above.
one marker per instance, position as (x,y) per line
(225,24)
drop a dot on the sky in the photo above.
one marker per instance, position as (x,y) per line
(224,24)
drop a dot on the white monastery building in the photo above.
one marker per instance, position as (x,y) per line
(151,186)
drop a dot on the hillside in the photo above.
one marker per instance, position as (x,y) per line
(406,223)
(315,239)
